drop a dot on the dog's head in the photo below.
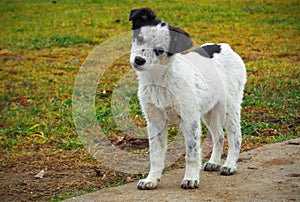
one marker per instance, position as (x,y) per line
(154,41)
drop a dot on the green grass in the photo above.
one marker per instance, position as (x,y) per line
(43,45)
(48,42)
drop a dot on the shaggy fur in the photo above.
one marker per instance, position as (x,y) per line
(205,84)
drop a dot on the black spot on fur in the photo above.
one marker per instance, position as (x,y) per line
(156,136)
(192,148)
(197,85)
(158,51)
(208,50)
(221,140)
(237,144)
(194,128)
(139,39)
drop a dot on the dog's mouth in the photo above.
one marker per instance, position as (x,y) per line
(137,67)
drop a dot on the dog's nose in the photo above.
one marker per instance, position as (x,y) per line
(139,60)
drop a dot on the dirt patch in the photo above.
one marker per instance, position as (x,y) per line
(269,173)
(67,173)
(74,172)
(278,161)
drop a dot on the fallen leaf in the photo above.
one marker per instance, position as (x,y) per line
(4,52)
(41,174)
(119,140)
(24,97)
(86,22)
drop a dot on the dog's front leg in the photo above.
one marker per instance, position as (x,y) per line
(191,132)
(158,148)
(158,137)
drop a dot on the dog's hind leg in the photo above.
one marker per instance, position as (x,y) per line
(158,138)
(234,136)
(213,122)
(191,131)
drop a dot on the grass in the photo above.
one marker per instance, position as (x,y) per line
(44,43)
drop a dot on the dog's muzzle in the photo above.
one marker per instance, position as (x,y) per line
(139,61)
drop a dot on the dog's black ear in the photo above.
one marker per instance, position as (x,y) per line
(180,40)
(142,17)
(142,14)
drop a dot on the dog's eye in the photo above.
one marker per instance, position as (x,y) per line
(139,39)
(158,51)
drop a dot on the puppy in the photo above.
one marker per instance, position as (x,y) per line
(204,84)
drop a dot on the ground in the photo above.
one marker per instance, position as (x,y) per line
(75,172)
(269,173)
(67,173)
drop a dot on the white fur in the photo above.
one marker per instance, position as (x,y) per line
(153,37)
(183,89)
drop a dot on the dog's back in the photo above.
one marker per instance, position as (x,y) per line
(230,66)
(233,71)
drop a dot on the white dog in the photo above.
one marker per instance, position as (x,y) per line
(206,84)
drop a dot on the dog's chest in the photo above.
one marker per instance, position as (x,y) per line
(161,98)
(157,95)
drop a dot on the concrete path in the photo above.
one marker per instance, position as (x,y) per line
(268,173)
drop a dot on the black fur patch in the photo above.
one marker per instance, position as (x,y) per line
(180,40)
(142,17)
(208,50)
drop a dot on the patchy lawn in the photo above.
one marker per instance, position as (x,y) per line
(44,43)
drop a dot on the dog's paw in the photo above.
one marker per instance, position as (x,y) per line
(145,184)
(189,184)
(211,167)
(228,170)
